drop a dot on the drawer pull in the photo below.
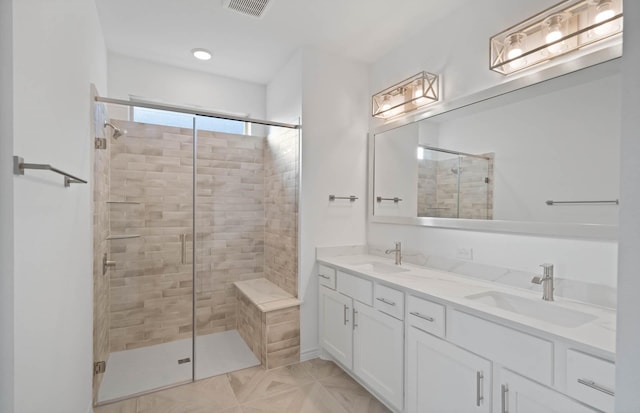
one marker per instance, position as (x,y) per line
(479,387)
(422,316)
(346,320)
(384,300)
(505,398)
(592,384)
(324,276)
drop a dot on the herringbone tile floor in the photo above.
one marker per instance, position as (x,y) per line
(314,386)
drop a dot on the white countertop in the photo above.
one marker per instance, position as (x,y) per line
(596,336)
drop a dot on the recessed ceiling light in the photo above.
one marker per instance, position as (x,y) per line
(201,54)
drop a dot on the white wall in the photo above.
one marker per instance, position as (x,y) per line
(461,55)
(628,327)
(6,208)
(284,92)
(58,52)
(334,118)
(455,47)
(173,85)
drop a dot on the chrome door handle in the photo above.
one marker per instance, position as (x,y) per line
(592,384)
(324,276)
(384,300)
(106,264)
(346,309)
(422,316)
(355,323)
(505,398)
(479,387)
(183,249)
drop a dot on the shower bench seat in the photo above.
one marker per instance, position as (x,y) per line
(269,322)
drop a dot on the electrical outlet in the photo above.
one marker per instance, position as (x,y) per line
(463,253)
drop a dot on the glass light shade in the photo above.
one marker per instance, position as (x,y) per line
(554,28)
(515,45)
(410,94)
(568,26)
(604,10)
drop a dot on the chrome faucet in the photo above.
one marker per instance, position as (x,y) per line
(398,251)
(546,280)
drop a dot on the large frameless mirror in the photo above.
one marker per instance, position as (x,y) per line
(540,159)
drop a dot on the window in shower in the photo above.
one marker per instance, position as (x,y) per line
(184,120)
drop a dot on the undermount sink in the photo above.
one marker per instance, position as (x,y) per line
(380,267)
(541,310)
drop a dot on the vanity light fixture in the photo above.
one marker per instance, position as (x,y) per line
(201,54)
(561,29)
(410,94)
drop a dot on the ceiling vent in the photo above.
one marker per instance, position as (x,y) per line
(253,8)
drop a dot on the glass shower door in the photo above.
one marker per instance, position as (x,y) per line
(475,183)
(150,206)
(230,217)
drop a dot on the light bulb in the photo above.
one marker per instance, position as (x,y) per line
(555,28)
(514,45)
(513,53)
(604,12)
(552,37)
(419,96)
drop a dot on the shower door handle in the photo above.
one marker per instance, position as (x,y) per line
(183,241)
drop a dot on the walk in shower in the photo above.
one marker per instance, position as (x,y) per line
(185,205)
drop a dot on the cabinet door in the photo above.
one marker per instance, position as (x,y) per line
(336,336)
(521,395)
(378,352)
(444,378)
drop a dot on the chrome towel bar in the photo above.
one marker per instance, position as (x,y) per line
(613,202)
(395,199)
(351,198)
(19,166)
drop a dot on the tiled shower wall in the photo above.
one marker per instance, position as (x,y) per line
(281,209)
(427,187)
(151,288)
(150,301)
(100,247)
(440,196)
(229,224)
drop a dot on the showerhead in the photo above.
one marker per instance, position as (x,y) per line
(116,130)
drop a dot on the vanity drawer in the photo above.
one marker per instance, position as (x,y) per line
(356,287)
(389,300)
(327,276)
(523,353)
(426,315)
(591,380)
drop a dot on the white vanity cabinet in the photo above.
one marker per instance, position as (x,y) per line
(521,395)
(456,357)
(336,335)
(444,378)
(362,338)
(378,350)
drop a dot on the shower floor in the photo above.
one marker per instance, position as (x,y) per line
(143,369)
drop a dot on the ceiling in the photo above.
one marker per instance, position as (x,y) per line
(254,49)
